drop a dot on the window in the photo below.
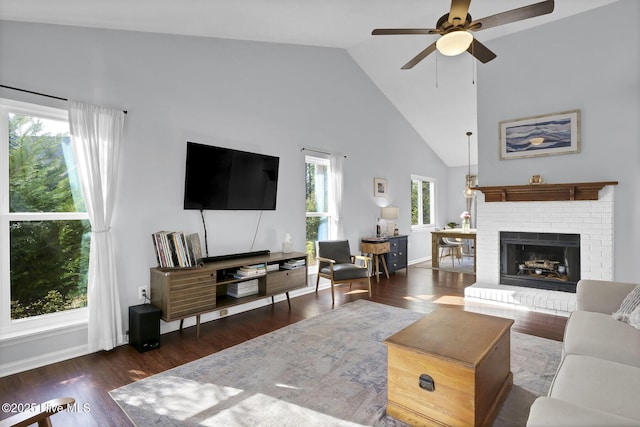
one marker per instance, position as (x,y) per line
(317,181)
(44,227)
(422,201)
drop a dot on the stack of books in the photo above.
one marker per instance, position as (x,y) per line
(294,263)
(250,270)
(273,267)
(177,249)
(243,289)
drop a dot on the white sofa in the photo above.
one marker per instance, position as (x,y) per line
(598,381)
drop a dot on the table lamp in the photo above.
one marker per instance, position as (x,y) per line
(390,213)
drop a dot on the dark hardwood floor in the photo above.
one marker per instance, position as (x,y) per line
(88,379)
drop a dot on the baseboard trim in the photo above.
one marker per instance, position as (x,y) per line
(39,361)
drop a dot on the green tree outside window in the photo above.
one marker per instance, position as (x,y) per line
(48,258)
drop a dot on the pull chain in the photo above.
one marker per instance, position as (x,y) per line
(473,64)
(473,70)
(437,70)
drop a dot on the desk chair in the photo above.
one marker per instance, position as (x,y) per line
(468,249)
(449,247)
(338,265)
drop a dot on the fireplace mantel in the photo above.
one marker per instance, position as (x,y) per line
(544,192)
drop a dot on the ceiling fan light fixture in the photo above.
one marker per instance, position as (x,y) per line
(454,43)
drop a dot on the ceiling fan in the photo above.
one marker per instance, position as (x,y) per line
(455,26)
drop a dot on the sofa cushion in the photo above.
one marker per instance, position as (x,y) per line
(630,303)
(346,272)
(598,335)
(598,384)
(548,412)
(601,296)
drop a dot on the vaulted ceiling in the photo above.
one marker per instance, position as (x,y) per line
(423,94)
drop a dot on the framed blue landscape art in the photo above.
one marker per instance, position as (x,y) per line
(546,135)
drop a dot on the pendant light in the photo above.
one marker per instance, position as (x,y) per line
(469,192)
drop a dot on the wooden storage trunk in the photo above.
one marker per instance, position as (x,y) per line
(449,368)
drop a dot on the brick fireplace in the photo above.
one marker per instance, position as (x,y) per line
(591,220)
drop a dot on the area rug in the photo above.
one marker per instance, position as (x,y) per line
(329,370)
(464,265)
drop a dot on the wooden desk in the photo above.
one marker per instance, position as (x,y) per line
(376,247)
(455,233)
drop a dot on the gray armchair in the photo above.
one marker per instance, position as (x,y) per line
(338,265)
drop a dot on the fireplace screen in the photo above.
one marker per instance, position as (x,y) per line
(540,260)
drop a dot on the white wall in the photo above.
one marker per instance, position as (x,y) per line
(566,65)
(260,97)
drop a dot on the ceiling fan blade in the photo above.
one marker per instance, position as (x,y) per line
(480,52)
(514,15)
(390,31)
(458,11)
(419,57)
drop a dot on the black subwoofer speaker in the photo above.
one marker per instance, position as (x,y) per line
(144,327)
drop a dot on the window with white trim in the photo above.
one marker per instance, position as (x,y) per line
(423,202)
(318,217)
(44,226)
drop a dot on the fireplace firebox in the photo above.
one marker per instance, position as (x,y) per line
(540,260)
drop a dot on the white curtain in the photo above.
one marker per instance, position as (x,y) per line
(96,133)
(336,189)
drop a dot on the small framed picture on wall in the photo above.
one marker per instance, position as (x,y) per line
(380,187)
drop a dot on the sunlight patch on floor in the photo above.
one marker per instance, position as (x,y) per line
(207,404)
(138,374)
(181,398)
(357,291)
(72,380)
(425,297)
(287,386)
(449,300)
(237,414)
(445,299)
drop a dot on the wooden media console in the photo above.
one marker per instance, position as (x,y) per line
(188,292)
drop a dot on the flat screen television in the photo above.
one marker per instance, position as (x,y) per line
(219,178)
